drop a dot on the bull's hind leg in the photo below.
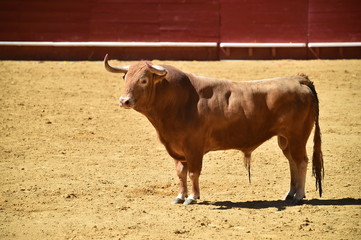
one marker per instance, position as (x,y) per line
(301,162)
(181,169)
(293,174)
(283,144)
(297,158)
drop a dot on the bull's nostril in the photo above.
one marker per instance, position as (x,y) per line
(126,102)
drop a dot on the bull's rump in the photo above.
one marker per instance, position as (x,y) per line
(258,110)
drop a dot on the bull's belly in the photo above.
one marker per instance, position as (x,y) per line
(232,139)
(218,139)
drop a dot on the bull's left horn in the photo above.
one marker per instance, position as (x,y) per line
(159,70)
(114,69)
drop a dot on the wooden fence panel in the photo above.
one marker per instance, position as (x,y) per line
(335,21)
(257,21)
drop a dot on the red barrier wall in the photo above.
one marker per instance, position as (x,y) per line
(268,21)
(334,21)
(110,20)
(41,20)
(220,21)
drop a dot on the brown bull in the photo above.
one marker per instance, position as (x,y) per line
(194,115)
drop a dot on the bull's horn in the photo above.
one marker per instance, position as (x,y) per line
(114,69)
(159,70)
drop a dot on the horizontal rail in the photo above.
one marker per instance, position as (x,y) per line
(176,44)
(108,44)
(261,45)
(334,44)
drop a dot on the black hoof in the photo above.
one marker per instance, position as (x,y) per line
(297,201)
(289,198)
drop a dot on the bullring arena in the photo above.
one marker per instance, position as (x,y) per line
(76,166)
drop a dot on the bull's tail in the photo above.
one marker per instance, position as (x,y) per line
(317,157)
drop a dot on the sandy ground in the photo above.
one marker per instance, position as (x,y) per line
(76,166)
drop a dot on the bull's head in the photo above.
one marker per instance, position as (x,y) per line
(140,79)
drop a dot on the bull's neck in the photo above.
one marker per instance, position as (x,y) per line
(168,101)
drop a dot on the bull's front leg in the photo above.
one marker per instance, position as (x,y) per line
(192,164)
(181,169)
(194,161)
(194,176)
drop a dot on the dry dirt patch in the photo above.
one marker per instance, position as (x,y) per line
(76,166)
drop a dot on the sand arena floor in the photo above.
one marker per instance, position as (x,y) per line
(76,166)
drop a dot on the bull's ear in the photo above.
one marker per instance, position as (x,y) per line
(157,69)
(123,69)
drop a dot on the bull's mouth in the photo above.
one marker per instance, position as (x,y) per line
(126,106)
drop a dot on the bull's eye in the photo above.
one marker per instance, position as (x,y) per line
(143,81)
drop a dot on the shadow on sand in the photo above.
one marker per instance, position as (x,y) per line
(281,204)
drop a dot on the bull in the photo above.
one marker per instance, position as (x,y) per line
(194,115)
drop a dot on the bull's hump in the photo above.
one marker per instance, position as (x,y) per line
(207,79)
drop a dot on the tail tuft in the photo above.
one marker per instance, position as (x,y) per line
(317,159)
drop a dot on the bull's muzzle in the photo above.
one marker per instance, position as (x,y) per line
(126,102)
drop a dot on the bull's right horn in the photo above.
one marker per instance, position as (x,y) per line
(114,69)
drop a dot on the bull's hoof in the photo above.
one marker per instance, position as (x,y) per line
(190,200)
(294,200)
(289,198)
(297,201)
(177,201)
